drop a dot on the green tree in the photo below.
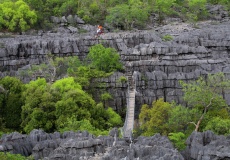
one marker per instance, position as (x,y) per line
(205,95)
(179,118)
(154,119)
(11,102)
(16,16)
(99,117)
(73,101)
(163,8)
(196,10)
(39,108)
(114,118)
(104,59)
(125,16)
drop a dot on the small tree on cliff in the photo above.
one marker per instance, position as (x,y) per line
(205,94)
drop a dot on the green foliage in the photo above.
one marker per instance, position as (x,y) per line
(167,37)
(127,15)
(163,8)
(123,14)
(11,102)
(196,10)
(72,124)
(219,126)
(199,93)
(122,79)
(38,111)
(104,59)
(154,120)
(114,118)
(73,64)
(85,76)
(99,117)
(178,140)
(9,156)
(223,2)
(204,95)
(179,117)
(54,68)
(106,96)
(16,16)
(73,101)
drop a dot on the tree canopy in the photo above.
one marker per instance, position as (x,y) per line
(16,16)
(21,15)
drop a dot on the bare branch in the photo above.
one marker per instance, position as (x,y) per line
(192,123)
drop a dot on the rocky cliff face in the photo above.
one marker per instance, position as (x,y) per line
(157,65)
(82,145)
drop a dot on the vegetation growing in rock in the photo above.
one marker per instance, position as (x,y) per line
(104,59)
(154,119)
(167,37)
(21,15)
(206,109)
(178,139)
(205,95)
(9,156)
(56,103)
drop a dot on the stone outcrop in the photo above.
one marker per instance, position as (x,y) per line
(82,145)
(145,148)
(207,145)
(158,65)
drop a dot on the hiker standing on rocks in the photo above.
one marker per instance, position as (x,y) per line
(99,30)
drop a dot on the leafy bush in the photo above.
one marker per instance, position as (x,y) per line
(72,101)
(104,59)
(219,126)
(122,79)
(178,140)
(114,118)
(167,37)
(154,119)
(72,124)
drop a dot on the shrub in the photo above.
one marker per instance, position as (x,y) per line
(167,37)
(122,79)
(104,59)
(9,156)
(178,140)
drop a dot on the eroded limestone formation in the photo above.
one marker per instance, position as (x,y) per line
(158,65)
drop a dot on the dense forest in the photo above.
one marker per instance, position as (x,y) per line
(60,96)
(21,15)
